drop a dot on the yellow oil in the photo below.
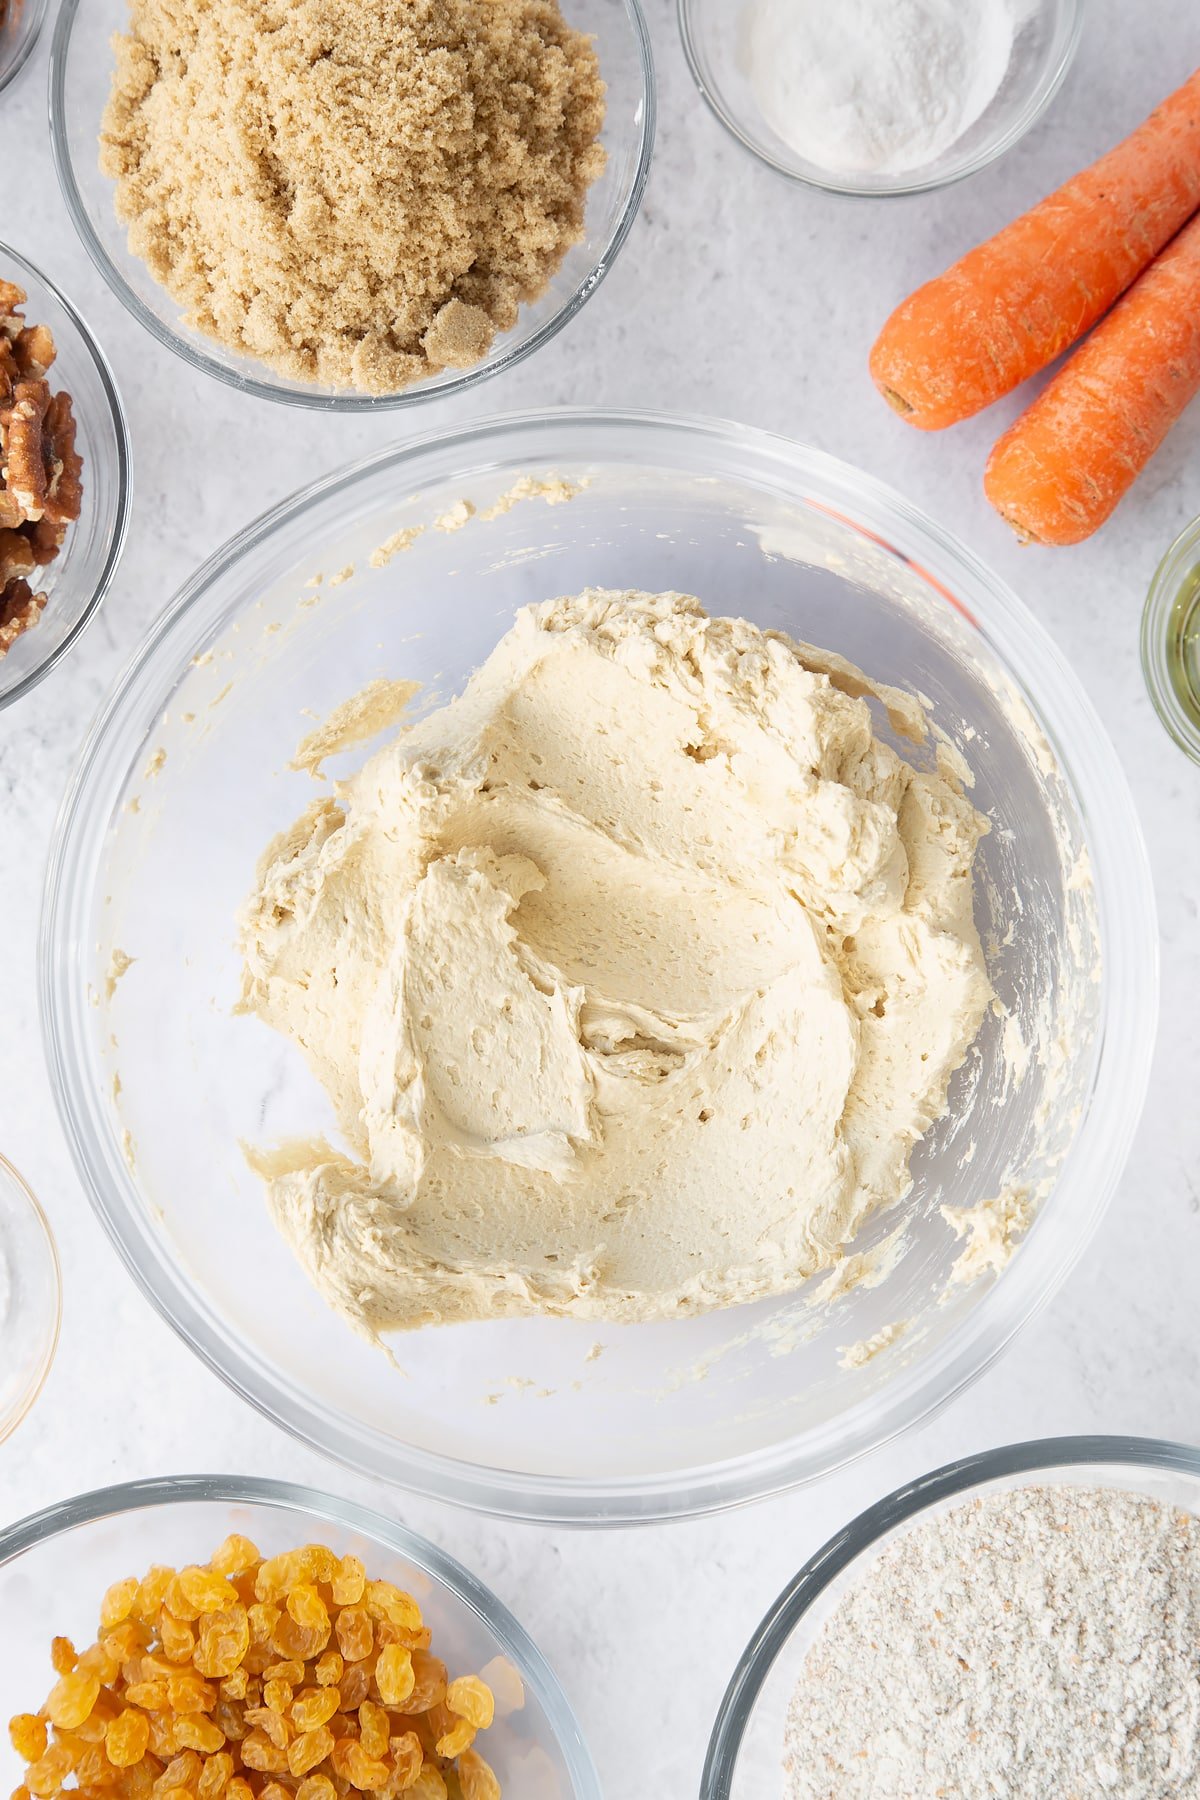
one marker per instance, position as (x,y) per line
(1183,646)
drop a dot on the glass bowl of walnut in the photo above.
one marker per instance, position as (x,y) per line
(249,1640)
(64,475)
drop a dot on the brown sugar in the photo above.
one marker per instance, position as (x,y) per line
(359,195)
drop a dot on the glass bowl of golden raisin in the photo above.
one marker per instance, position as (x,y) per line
(215,1638)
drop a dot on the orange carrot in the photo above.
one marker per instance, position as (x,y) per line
(1012,304)
(1058,472)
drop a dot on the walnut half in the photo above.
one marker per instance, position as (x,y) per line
(41,491)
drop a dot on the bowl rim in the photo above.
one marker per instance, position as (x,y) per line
(11,257)
(172,1490)
(36,11)
(11,1176)
(1181,559)
(1130,989)
(271,388)
(827,182)
(905,1504)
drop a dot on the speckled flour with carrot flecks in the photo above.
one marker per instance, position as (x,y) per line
(1039,1641)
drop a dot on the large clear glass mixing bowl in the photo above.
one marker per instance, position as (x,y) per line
(185,778)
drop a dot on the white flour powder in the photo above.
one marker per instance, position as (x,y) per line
(1035,1643)
(876,86)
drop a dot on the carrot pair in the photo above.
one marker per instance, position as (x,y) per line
(1015,302)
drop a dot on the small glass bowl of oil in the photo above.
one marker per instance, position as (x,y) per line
(1171,640)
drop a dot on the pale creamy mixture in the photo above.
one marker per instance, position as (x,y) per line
(633,974)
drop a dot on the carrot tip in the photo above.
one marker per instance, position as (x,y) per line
(897,402)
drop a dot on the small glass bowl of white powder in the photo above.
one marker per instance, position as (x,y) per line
(879,97)
(30,1298)
(1026,1621)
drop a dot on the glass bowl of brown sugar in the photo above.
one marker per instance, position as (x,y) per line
(319,268)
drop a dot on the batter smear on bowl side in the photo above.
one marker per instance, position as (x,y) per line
(634,974)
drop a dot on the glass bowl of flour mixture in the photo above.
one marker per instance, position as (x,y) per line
(643,1078)
(878,97)
(1021,1621)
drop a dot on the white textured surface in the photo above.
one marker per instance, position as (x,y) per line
(737,294)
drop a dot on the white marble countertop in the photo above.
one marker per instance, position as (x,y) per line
(737,294)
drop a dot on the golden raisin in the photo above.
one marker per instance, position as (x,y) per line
(297,1642)
(308,1609)
(329,1669)
(151,1592)
(316,1787)
(315,1706)
(349,1582)
(190,1693)
(127,1739)
(224,1640)
(62,1655)
(472,1699)
(137,1783)
(181,1772)
(258,1752)
(274,1790)
(429,1785)
(355,1636)
(194,1732)
(28,1734)
(277,1575)
(476,1778)
(126,1640)
(429,1687)
(291,1672)
(178,1638)
(98,1660)
(277,1695)
(162,1735)
(215,1775)
(394,1676)
(231,1720)
(373,1729)
(48,1773)
(150,1695)
(459,1738)
(273,1723)
(263,1620)
(407,1756)
(205,1591)
(176,1602)
(234,1685)
(94,1769)
(354,1686)
(239,1789)
(385,1601)
(351,1761)
(309,1749)
(234,1556)
(71,1699)
(118,1602)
